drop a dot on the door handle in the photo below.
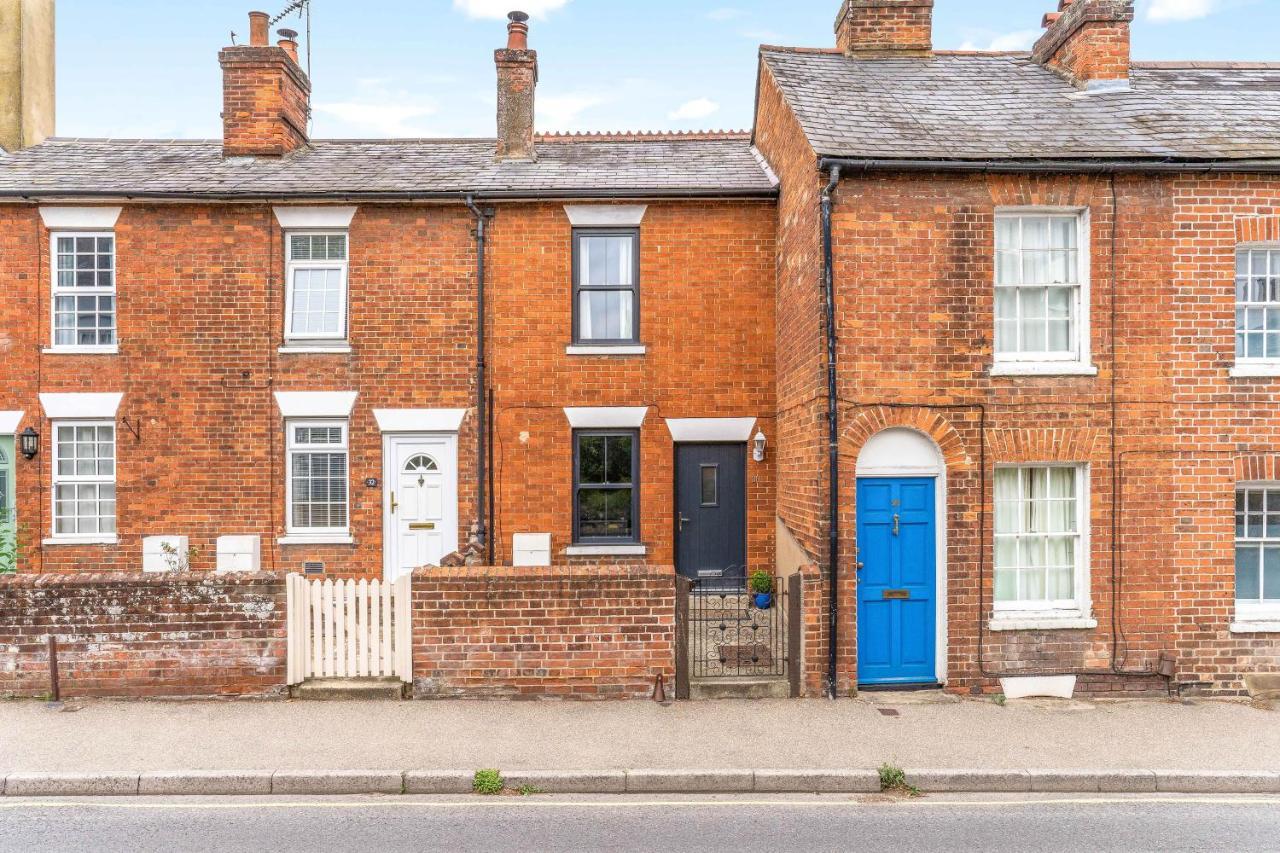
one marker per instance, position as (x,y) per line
(895,524)
(683,521)
(394,505)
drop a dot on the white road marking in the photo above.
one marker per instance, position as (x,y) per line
(639,804)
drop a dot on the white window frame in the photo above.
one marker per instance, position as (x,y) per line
(1077,611)
(57,290)
(292,448)
(1254,610)
(1080,360)
(317,339)
(1246,366)
(56,538)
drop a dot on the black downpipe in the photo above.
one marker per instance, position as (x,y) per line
(833,432)
(482,382)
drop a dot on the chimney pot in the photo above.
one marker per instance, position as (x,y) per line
(26,73)
(289,42)
(518,31)
(259,24)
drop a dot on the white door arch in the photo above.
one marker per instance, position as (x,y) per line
(906,452)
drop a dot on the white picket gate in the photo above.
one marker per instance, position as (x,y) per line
(349,629)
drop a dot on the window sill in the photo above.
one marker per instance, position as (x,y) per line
(303,349)
(81,540)
(606,551)
(1254,370)
(1043,368)
(81,350)
(1032,621)
(576,349)
(1261,626)
(302,539)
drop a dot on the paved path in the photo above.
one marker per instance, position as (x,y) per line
(780,734)
(1024,824)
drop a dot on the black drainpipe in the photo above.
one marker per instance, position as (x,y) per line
(833,431)
(482,416)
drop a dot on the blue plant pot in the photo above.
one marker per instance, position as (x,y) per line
(764,600)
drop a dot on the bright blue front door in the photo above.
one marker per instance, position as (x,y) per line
(897,610)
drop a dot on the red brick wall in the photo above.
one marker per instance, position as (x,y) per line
(707,307)
(201,319)
(130,635)
(201,304)
(1088,41)
(581,632)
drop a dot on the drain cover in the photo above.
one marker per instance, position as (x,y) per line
(888,712)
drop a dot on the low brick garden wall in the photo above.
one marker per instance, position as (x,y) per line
(127,635)
(564,632)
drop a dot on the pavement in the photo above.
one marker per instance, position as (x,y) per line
(355,747)
(1026,824)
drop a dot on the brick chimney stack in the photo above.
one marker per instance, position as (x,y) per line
(517,80)
(885,27)
(26,73)
(1087,42)
(266,96)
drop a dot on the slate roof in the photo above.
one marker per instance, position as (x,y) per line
(1004,106)
(594,165)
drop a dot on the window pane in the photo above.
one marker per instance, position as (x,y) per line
(317,302)
(606,261)
(1271,573)
(1248,576)
(591,450)
(1006,585)
(710,485)
(604,513)
(619,459)
(606,315)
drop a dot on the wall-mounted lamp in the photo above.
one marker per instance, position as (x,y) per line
(29,442)
(758,452)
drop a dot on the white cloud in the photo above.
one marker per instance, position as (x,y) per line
(1181,10)
(499,8)
(1017,40)
(696,109)
(562,112)
(383,118)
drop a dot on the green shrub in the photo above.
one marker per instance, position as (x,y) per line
(761,582)
(488,782)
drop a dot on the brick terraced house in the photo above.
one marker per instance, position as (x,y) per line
(983,347)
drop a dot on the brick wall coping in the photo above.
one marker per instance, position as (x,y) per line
(92,579)
(545,572)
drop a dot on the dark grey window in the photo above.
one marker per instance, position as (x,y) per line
(606,286)
(605,487)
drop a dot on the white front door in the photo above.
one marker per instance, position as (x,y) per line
(421,486)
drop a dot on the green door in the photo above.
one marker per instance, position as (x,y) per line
(8,514)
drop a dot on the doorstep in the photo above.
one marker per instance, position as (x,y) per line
(350,688)
(739,688)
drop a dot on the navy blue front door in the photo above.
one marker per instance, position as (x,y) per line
(897,610)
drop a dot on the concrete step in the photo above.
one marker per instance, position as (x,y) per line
(350,688)
(739,688)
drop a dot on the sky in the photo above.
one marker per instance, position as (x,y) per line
(424,68)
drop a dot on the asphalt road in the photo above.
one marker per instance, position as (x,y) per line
(738,824)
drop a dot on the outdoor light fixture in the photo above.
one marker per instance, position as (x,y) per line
(760,441)
(30,442)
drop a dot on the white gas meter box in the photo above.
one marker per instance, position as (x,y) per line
(531,549)
(239,554)
(156,559)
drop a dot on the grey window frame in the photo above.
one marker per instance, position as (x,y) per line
(634,435)
(578,235)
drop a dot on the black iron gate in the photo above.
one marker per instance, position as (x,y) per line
(724,632)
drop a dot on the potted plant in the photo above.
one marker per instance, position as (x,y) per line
(762,589)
